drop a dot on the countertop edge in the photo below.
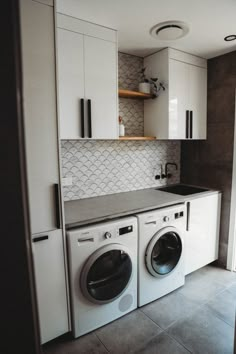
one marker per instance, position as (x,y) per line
(181,200)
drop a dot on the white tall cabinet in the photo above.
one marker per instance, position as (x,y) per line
(39,91)
(87,79)
(180,111)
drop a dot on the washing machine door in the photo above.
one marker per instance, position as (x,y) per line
(164,252)
(106,273)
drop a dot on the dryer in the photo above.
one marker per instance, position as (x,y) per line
(102,273)
(161,252)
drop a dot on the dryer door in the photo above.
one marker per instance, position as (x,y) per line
(106,273)
(164,252)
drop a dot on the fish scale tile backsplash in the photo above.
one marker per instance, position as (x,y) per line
(130,110)
(109,166)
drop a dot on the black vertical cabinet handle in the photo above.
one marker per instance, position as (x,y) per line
(187,124)
(191,124)
(40,238)
(188,216)
(57,205)
(89,119)
(82,117)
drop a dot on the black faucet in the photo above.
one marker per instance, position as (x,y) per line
(168,175)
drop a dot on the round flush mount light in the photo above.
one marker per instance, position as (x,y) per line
(169,30)
(230,38)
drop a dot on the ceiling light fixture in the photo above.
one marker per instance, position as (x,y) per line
(230,38)
(169,30)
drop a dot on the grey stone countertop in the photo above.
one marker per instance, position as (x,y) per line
(90,210)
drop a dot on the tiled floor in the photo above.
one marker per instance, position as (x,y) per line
(197,318)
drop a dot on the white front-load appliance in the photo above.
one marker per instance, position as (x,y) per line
(161,252)
(102,272)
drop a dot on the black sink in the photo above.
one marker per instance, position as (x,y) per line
(182,189)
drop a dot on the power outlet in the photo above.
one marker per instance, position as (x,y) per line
(67,181)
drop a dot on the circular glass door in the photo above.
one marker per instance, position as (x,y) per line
(164,252)
(107,274)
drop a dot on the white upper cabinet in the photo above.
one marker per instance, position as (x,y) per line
(180,111)
(178,98)
(87,80)
(70,83)
(100,59)
(198,100)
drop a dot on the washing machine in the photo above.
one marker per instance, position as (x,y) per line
(161,252)
(102,273)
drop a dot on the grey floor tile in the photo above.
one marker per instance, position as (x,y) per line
(128,332)
(170,308)
(232,289)
(88,344)
(224,306)
(199,315)
(200,290)
(203,332)
(217,274)
(162,344)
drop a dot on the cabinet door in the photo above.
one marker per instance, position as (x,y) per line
(202,236)
(70,50)
(100,60)
(198,101)
(50,284)
(38,64)
(178,99)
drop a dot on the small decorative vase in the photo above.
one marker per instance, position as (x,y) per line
(144,87)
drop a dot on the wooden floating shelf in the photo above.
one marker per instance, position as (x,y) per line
(134,94)
(137,138)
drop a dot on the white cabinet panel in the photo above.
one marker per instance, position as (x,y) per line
(87,70)
(46,2)
(187,58)
(70,48)
(202,236)
(50,284)
(38,60)
(100,59)
(198,100)
(178,98)
(180,111)
(74,24)
(39,90)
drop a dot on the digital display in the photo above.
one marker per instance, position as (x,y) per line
(125,230)
(179,215)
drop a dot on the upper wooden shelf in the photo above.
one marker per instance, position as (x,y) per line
(134,94)
(137,138)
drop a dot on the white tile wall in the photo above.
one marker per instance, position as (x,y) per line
(130,110)
(105,167)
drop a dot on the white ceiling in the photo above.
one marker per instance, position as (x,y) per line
(209,21)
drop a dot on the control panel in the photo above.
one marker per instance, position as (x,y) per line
(179,215)
(116,232)
(165,217)
(100,233)
(125,230)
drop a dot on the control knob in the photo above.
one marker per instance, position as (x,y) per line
(166,218)
(107,235)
